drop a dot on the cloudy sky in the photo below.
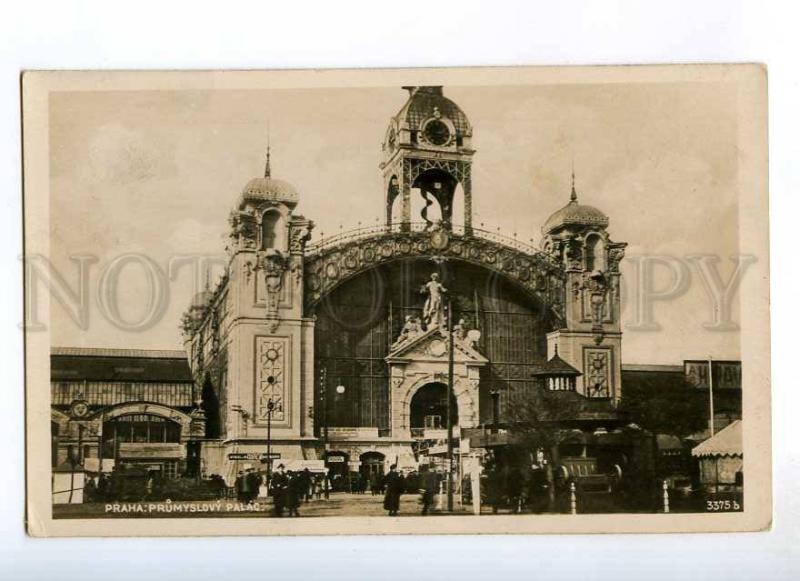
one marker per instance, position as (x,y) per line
(156,173)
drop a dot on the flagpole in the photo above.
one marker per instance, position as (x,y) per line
(711,397)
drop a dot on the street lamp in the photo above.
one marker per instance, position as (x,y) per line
(323,400)
(270,411)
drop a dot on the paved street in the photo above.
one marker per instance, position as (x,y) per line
(339,504)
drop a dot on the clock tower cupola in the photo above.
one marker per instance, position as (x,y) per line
(427,159)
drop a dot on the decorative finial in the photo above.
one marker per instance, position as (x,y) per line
(573,197)
(267,169)
(556,353)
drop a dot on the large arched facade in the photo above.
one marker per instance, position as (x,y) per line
(360,319)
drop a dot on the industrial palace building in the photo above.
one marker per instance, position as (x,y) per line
(338,353)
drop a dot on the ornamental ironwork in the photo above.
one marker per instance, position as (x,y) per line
(329,265)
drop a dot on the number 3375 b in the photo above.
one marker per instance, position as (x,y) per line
(722,505)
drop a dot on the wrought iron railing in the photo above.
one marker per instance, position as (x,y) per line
(363,232)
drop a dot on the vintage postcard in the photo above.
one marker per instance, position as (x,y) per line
(502,300)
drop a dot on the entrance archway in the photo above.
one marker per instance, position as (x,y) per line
(429,407)
(372,469)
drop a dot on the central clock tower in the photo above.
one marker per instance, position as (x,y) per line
(427,148)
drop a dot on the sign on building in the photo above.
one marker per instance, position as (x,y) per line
(725,374)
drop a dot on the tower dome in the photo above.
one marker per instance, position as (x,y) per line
(269,189)
(423,102)
(575,214)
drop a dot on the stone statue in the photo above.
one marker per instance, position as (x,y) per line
(433,311)
(411,328)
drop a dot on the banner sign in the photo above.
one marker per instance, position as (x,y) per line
(253,456)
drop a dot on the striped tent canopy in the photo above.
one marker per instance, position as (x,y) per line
(726,442)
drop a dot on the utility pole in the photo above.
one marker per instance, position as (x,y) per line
(449,404)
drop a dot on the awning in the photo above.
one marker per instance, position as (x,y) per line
(727,442)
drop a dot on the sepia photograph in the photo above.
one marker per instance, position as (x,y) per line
(421,301)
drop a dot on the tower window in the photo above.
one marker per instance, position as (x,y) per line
(270,223)
(594,253)
(413,137)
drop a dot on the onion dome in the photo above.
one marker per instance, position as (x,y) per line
(269,189)
(575,214)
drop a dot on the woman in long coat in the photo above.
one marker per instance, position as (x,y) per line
(394,488)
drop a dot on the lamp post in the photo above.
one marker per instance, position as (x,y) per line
(340,389)
(450,357)
(270,410)
(323,379)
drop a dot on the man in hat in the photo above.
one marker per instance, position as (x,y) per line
(253,483)
(394,488)
(279,485)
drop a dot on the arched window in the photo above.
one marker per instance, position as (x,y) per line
(595,255)
(271,230)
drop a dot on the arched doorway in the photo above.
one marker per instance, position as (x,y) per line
(372,469)
(429,408)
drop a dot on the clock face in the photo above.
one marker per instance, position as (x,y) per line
(79,409)
(437,132)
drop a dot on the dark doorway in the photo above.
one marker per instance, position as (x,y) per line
(211,409)
(372,465)
(429,407)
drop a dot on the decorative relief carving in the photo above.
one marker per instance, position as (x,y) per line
(616,252)
(595,286)
(597,366)
(273,264)
(270,378)
(299,235)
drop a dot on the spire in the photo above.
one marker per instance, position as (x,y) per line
(267,170)
(573,197)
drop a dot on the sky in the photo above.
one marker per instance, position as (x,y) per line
(155,173)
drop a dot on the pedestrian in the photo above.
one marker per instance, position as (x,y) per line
(394,484)
(239,486)
(244,486)
(279,484)
(294,493)
(89,489)
(428,485)
(102,487)
(253,483)
(305,478)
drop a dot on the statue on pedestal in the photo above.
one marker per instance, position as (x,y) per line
(433,311)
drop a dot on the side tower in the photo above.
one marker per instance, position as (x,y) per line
(265,343)
(590,338)
(427,147)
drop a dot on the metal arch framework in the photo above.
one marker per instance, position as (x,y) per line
(333,264)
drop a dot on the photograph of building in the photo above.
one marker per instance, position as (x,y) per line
(424,342)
